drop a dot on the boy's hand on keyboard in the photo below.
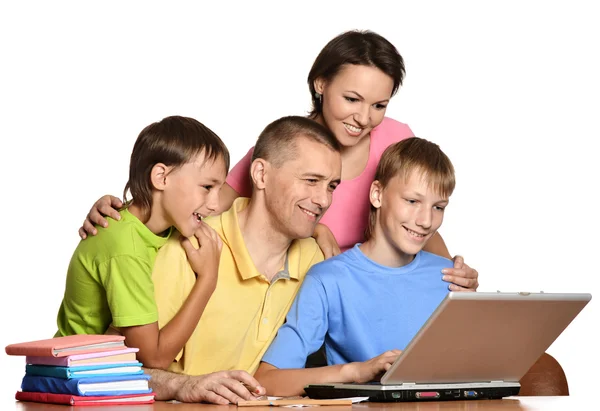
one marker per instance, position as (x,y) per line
(369,370)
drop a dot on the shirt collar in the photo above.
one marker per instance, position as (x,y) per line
(243,261)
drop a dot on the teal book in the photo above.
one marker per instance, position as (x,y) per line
(96,370)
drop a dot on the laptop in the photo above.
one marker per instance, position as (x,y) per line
(475,345)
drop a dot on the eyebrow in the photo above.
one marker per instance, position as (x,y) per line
(213,181)
(420,195)
(320,177)
(380,101)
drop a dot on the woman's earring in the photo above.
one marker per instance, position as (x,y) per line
(318,96)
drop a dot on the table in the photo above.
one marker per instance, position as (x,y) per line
(507,404)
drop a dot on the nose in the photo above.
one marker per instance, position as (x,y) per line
(363,114)
(424,217)
(212,201)
(322,197)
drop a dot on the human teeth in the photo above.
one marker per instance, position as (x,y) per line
(309,213)
(415,233)
(352,128)
(198,216)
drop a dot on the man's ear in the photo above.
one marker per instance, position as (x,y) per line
(376,193)
(258,172)
(158,176)
(319,85)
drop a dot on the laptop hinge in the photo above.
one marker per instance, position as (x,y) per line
(409,383)
(497,381)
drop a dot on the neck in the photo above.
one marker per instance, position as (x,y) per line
(155,220)
(266,245)
(384,253)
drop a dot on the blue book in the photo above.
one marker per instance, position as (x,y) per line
(88,386)
(96,370)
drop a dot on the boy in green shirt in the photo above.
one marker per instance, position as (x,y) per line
(176,171)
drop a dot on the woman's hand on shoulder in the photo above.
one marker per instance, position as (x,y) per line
(106,206)
(461,276)
(326,241)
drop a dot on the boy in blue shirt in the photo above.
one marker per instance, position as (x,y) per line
(366,304)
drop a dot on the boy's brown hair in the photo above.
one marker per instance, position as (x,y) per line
(173,141)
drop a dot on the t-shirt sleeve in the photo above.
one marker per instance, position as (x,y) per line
(129,291)
(239,176)
(304,330)
(390,132)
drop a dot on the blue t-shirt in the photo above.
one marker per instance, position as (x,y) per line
(359,308)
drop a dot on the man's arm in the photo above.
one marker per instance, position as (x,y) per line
(223,387)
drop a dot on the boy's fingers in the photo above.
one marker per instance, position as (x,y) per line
(202,234)
(187,245)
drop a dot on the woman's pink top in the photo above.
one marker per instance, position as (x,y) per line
(348,214)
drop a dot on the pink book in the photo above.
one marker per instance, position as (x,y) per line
(68,399)
(102,357)
(69,345)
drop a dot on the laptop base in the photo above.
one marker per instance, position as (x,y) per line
(393,394)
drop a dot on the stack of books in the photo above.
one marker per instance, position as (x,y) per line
(82,370)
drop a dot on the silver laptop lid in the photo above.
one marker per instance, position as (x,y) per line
(482,336)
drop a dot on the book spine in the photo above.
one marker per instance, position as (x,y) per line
(47,398)
(54,385)
(47,371)
(42,360)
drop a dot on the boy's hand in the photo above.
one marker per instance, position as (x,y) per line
(205,259)
(370,370)
(106,206)
(462,277)
(326,241)
(224,387)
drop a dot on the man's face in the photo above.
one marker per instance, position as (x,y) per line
(298,193)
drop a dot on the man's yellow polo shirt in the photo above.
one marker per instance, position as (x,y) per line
(245,311)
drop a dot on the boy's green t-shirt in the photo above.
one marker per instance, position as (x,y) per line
(109,280)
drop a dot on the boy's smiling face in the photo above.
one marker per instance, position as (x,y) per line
(409,213)
(192,192)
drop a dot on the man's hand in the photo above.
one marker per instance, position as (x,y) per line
(106,206)
(223,387)
(462,277)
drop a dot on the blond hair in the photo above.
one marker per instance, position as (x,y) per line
(407,156)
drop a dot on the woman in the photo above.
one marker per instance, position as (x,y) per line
(351,83)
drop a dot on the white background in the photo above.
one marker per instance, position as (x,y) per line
(510,90)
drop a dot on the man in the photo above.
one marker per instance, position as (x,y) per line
(267,250)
